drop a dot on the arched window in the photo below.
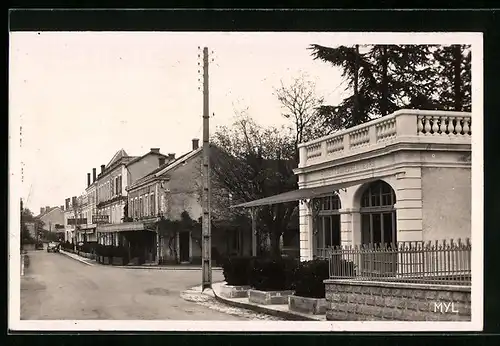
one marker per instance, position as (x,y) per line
(327,227)
(378,216)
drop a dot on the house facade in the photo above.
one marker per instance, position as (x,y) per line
(87,231)
(73,217)
(111,194)
(404,177)
(173,193)
(52,218)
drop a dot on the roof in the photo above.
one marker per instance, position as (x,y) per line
(300,194)
(165,168)
(138,158)
(46,212)
(119,155)
(175,163)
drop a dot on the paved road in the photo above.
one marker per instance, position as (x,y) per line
(57,287)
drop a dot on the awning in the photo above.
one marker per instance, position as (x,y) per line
(300,194)
(121,227)
(88,227)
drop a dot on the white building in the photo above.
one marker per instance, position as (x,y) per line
(403,177)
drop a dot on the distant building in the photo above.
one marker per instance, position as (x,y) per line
(87,232)
(73,215)
(52,218)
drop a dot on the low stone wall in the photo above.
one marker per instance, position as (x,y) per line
(229,291)
(349,300)
(268,297)
(315,306)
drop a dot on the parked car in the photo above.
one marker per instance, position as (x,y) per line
(53,247)
(39,246)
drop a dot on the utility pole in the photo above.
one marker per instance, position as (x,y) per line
(206,224)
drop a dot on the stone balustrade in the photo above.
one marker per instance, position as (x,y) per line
(403,126)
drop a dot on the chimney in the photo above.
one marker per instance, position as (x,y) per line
(161,161)
(42,210)
(195,143)
(66,201)
(102,168)
(94,175)
(61,207)
(73,201)
(88,179)
(155,150)
(171,157)
(47,208)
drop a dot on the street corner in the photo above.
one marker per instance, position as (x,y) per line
(195,295)
(207,299)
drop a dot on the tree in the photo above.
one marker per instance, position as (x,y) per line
(28,217)
(358,75)
(299,103)
(453,64)
(255,162)
(385,78)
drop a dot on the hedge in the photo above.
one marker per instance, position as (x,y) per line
(308,278)
(272,274)
(236,270)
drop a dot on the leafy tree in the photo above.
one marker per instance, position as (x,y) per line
(255,162)
(27,216)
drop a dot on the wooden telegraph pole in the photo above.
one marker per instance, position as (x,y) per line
(206,224)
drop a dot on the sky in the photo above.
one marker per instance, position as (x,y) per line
(76,98)
(81,96)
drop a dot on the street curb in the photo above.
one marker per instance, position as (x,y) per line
(67,254)
(290,316)
(286,315)
(161,268)
(75,257)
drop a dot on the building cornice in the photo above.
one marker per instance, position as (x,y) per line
(384,150)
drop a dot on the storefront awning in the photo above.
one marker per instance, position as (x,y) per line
(147,225)
(121,227)
(300,194)
(87,227)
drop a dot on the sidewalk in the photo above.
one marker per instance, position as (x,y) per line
(280,310)
(144,266)
(78,258)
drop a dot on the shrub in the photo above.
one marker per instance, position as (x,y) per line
(272,274)
(236,270)
(308,278)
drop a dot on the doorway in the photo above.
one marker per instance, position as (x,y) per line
(184,247)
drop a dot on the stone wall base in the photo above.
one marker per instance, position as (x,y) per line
(361,300)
